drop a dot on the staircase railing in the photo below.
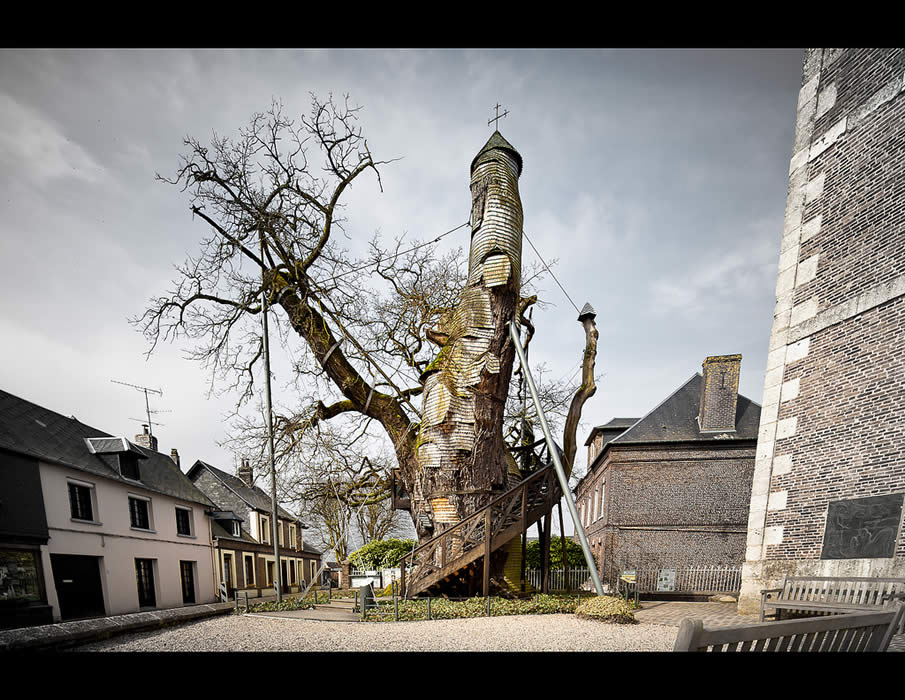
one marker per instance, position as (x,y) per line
(480,533)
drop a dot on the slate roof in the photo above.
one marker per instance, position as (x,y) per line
(614,427)
(217,530)
(675,420)
(38,432)
(254,496)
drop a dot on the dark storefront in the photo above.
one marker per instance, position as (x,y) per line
(23,529)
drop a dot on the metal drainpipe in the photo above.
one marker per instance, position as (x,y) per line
(557,464)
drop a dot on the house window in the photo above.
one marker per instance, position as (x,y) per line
(19,576)
(270,574)
(602,497)
(265,530)
(187,573)
(280,532)
(140,513)
(249,570)
(80,502)
(183,521)
(292,536)
(128,466)
(237,528)
(292,572)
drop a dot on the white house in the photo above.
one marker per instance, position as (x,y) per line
(126,529)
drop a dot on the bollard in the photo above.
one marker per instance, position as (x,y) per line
(396,606)
(428,608)
(246,601)
(488,606)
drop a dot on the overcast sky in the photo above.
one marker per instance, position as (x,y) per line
(656,178)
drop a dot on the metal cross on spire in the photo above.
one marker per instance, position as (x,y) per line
(498,116)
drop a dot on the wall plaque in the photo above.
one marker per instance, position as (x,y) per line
(863,528)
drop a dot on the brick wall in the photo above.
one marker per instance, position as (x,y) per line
(833,413)
(669,506)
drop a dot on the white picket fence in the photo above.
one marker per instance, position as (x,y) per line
(379,579)
(697,579)
(556,578)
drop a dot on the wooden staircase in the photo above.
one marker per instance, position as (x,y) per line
(459,547)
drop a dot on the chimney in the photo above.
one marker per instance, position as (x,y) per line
(719,393)
(246,472)
(146,440)
(174,455)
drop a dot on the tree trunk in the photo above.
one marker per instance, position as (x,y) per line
(462,460)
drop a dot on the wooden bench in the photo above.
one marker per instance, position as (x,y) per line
(844,632)
(815,595)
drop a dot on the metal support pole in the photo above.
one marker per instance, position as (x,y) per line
(557,463)
(275,516)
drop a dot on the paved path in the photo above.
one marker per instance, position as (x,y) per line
(338,610)
(671,614)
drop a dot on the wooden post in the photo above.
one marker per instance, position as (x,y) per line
(562,540)
(524,537)
(689,630)
(487,541)
(402,578)
(547,541)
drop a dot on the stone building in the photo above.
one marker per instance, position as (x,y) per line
(829,479)
(671,489)
(92,524)
(242,536)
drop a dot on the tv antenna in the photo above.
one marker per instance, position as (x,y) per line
(148,422)
(146,391)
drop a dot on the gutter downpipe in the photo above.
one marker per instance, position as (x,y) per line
(557,463)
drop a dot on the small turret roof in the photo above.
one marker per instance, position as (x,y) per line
(496,141)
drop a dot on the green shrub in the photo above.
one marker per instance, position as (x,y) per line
(381,554)
(443,609)
(286,604)
(606,609)
(574,553)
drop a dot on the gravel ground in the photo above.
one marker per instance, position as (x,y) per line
(510,633)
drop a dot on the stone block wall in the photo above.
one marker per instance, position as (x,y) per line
(833,417)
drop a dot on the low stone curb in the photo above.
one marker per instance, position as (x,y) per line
(65,634)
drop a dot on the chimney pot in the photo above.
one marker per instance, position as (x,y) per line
(174,455)
(246,472)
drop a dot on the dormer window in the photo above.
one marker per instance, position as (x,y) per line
(128,466)
(237,529)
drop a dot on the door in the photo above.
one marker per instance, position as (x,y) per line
(228,573)
(78,583)
(144,574)
(284,580)
(187,570)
